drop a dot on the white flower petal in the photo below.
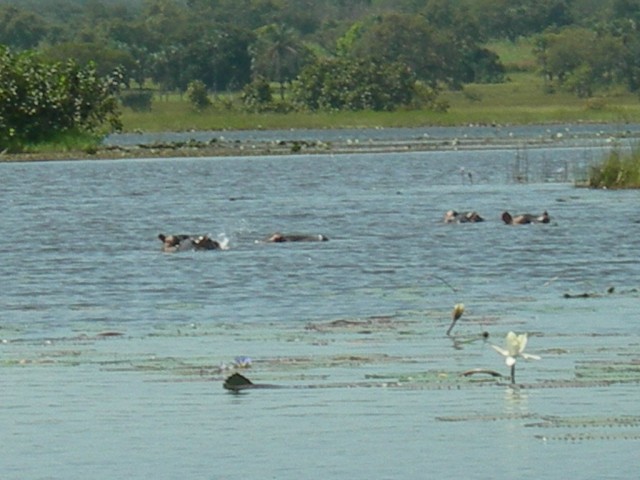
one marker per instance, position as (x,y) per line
(500,350)
(512,342)
(522,342)
(528,356)
(510,361)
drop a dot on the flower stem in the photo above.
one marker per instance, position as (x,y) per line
(451,326)
(513,374)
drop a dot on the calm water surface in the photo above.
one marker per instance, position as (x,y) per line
(358,322)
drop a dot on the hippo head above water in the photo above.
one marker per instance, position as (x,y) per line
(525,218)
(176,243)
(465,217)
(284,237)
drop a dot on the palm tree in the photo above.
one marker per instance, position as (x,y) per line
(277,54)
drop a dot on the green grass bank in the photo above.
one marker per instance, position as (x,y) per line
(520,100)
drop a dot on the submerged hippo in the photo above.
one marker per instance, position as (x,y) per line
(525,218)
(465,217)
(237,383)
(177,243)
(295,237)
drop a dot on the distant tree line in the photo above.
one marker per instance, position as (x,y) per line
(331,54)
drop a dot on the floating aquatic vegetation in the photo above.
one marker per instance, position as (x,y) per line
(460,342)
(581,437)
(200,368)
(436,379)
(613,371)
(550,421)
(367,325)
(485,418)
(597,428)
(417,378)
(582,428)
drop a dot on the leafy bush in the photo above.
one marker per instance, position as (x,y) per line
(40,101)
(257,94)
(137,100)
(257,97)
(198,95)
(350,84)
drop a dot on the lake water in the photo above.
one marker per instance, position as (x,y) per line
(113,354)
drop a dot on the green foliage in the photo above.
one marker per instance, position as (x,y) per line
(138,100)
(198,95)
(618,170)
(412,41)
(39,100)
(277,54)
(586,47)
(21,29)
(516,56)
(354,84)
(481,65)
(519,101)
(447,54)
(581,61)
(511,19)
(257,96)
(104,59)
(218,57)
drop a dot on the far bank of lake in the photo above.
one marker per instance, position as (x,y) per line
(339,141)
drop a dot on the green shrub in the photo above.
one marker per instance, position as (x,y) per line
(354,84)
(40,101)
(137,100)
(256,96)
(198,95)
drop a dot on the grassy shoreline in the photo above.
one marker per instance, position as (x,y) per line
(222,147)
(519,101)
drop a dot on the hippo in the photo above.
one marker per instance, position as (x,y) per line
(525,218)
(236,383)
(286,237)
(465,217)
(177,243)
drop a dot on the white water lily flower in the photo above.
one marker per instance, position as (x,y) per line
(515,345)
(515,348)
